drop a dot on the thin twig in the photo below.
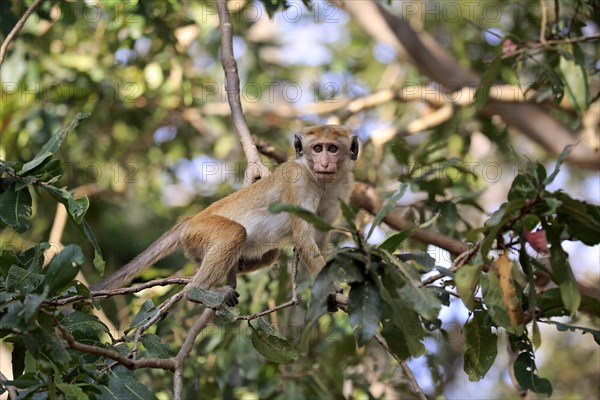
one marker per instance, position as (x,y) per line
(100,294)
(162,310)
(186,349)
(292,302)
(549,43)
(256,169)
(407,371)
(161,363)
(458,262)
(15,30)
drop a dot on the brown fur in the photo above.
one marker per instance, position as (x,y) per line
(238,234)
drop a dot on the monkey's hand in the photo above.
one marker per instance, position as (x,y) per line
(332,304)
(230,294)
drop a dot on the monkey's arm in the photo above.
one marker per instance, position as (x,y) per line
(303,236)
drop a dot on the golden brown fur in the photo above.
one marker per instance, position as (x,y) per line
(238,234)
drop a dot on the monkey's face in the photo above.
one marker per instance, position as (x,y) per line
(325,157)
(327,150)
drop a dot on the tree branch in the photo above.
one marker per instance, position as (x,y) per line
(101,294)
(255,169)
(12,391)
(162,363)
(15,30)
(186,349)
(407,371)
(433,61)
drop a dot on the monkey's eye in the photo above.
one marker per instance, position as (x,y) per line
(318,148)
(332,149)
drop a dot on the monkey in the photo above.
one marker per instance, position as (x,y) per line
(238,234)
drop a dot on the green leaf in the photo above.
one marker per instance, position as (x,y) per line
(387,207)
(21,184)
(466,279)
(76,207)
(51,171)
(364,310)
(550,303)
(271,345)
(561,158)
(423,261)
(300,212)
(72,391)
(52,146)
(524,187)
(343,268)
(576,83)
(348,212)
(83,325)
(481,346)
(421,300)
(564,327)
(582,219)
(487,80)
(403,332)
(495,222)
(155,347)
(525,369)
(401,151)
(224,316)
(99,263)
(122,384)
(22,280)
(7,260)
(32,302)
(392,243)
(15,209)
(562,272)
(146,312)
(63,268)
(530,222)
(206,297)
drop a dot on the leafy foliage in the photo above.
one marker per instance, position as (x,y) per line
(151,97)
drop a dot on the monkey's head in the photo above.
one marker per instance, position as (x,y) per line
(327,150)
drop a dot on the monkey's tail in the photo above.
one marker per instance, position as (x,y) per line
(162,247)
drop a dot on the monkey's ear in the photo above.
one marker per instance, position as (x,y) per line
(354,148)
(298,145)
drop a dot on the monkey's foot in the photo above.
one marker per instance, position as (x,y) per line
(230,294)
(332,304)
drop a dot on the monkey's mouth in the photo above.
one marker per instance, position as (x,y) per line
(324,174)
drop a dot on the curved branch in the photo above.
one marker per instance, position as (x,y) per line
(255,169)
(407,371)
(15,30)
(437,64)
(186,349)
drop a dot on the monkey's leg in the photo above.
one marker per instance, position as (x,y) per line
(215,243)
(252,265)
